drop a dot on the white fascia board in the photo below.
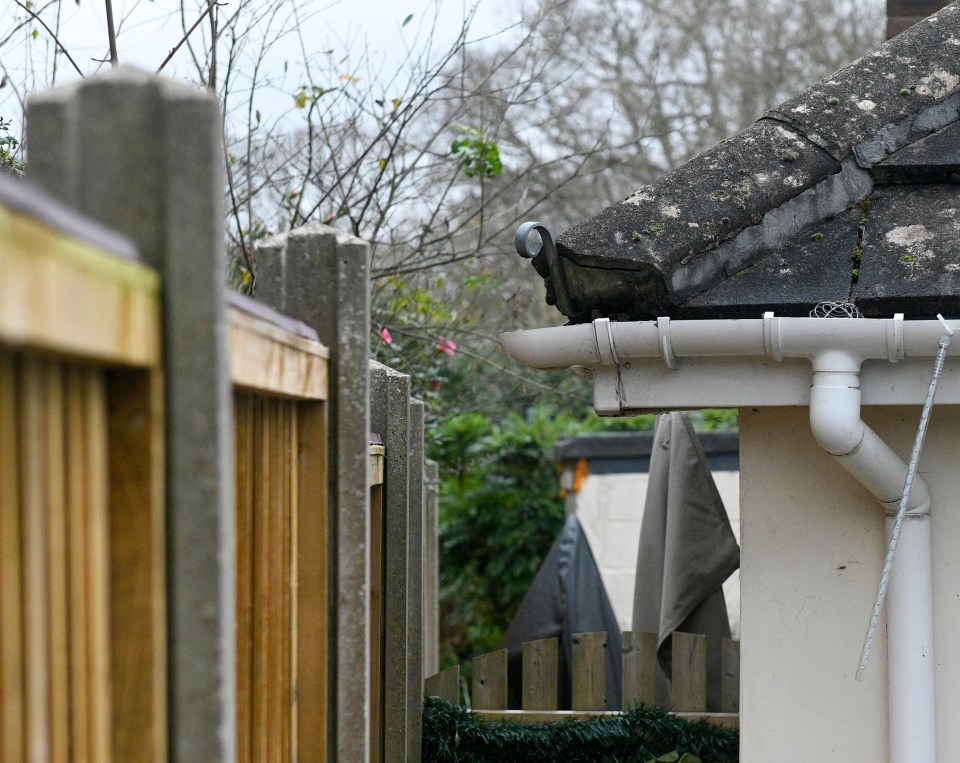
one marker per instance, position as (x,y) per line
(648,385)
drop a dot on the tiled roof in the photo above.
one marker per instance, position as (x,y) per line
(849,191)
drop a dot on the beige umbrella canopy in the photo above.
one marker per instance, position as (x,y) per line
(687,550)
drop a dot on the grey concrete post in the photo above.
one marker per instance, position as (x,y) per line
(390,418)
(431,569)
(415,507)
(144,156)
(320,276)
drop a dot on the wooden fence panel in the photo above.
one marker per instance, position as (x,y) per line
(589,677)
(244,444)
(267,501)
(12,689)
(540,686)
(490,681)
(282,541)
(589,685)
(81,597)
(137,551)
(445,685)
(689,682)
(730,690)
(83,678)
(639,668)
(312,604)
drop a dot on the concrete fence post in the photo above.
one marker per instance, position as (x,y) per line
(415,608)
(320,276)
(144,156)
(390,418)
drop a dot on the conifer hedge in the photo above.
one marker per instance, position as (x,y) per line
(452,734)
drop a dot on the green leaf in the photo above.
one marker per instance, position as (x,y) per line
(407,20)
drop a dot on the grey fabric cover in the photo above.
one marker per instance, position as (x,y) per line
(566,597)
(687,550)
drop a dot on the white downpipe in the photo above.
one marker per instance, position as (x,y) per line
(836,349)
(910,659)
(837,427)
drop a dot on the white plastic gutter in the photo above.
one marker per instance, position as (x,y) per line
(836,349)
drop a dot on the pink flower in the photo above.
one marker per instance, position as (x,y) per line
(385,336)
(448,346)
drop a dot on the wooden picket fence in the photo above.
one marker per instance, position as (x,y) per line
(588,697)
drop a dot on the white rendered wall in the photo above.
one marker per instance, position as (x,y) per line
(813,545)
(610,508)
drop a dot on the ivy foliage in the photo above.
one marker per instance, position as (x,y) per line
(9,149)
(481,157)
(452,734)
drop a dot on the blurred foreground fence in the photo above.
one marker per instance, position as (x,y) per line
(201,557)
(539,690)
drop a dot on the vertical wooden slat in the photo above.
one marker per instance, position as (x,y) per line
(285,623)
(445,685)
(689,680)
(730,689)
(293,510)
(57,607)
(244,529)
(103,613)
(490,681)
(35,579)
(539,688)
(589,690)
(78,512)
(12,737)
(275,541)
(262,593)
(639,668)
(312,676)
(134,522)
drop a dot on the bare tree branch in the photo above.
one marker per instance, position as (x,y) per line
(213,4)
(52,36)
(111,34)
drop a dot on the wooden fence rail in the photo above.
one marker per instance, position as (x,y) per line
(539,690)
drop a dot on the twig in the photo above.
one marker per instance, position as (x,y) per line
(212,79)
(213,4)
(112,34)
(50,32)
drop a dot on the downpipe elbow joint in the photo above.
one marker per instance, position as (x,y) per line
(835,412)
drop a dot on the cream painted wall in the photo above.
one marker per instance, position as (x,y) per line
(812,551)
(610,509)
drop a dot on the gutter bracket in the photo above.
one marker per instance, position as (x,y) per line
(666,345)
(895,338)
(771,337)
(606,346)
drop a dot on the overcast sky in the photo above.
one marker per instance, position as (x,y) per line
(148,30)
